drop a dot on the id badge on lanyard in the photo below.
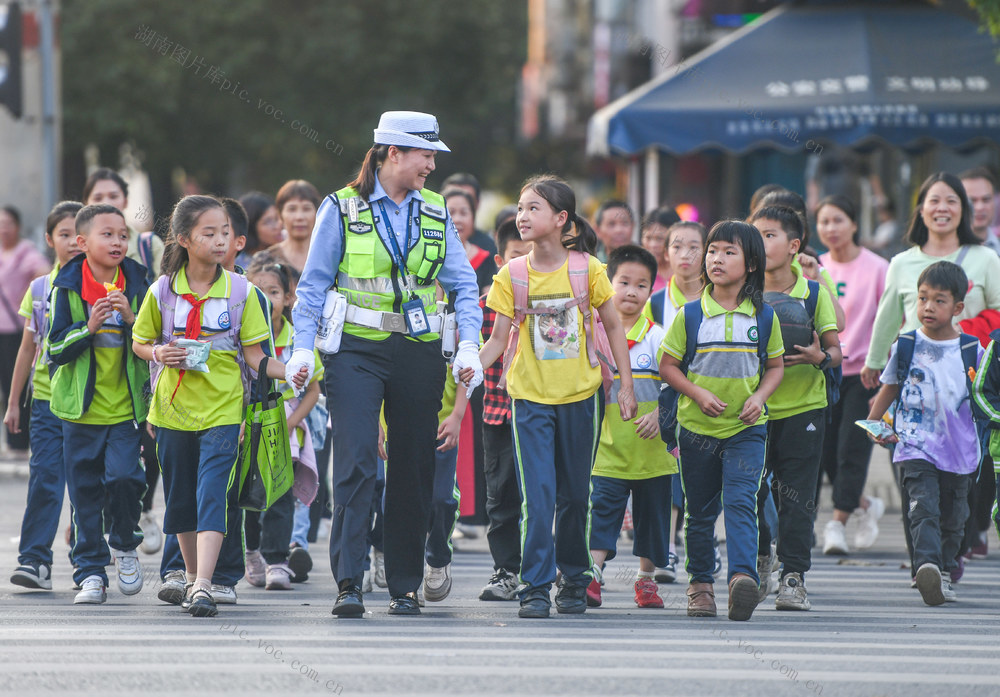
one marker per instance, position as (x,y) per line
(416,317)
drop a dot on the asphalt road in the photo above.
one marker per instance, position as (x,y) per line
(868,634)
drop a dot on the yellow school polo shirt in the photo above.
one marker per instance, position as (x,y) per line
(725,363)
(204,400)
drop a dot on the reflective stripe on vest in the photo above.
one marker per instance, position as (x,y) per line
(367,276)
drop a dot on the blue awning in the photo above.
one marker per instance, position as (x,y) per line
(908,75)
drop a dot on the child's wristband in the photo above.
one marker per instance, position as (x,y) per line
(155,359)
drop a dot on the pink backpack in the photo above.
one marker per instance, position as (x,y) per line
(598,346)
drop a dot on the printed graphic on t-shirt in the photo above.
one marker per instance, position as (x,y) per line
(557,335)
(917,415)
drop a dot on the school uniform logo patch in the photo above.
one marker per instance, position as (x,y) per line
(752,333)
(432,234)
(224,321)
(644,361)
(359,228)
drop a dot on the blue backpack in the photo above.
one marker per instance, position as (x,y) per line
(834,376)
(656,302)
(970,361)
(692,322)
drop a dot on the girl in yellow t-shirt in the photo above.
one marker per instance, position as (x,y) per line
(557,403)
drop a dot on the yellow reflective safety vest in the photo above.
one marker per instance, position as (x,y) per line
(367,276)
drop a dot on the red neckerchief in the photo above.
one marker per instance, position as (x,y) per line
(92,290)
(192,329)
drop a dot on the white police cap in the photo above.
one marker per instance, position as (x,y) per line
(412,129)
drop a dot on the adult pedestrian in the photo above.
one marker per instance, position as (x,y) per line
(383,222)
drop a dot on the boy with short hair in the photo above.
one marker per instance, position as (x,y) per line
(631,458)
(99,391)
(797,410)
(503,502)
(938,447)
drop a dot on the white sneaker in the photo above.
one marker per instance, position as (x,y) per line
(129,571)
(947,591)
(92,592)
(868,522)
(173,587)
(501,586)
(256,568)
(366,582)
(378,569)
(224,595)
(792,594)
(834,539)
(279,577)
(152,536)
(437,583)
(931,584)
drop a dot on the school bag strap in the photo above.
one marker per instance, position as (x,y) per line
(579,281)
(834,376)
(904,355)
(657,303)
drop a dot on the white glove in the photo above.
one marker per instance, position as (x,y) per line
(300,357)
(468,357)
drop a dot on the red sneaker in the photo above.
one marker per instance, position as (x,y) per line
(647,593)
(594,593)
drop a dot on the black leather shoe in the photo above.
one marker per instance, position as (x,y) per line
(404,605)
(349,603)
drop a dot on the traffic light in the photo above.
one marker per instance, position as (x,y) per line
(10,58)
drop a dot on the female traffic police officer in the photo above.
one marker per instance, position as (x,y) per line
(366,233)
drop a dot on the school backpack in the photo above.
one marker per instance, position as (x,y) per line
(693,316)
(834,376)
(656,304)
(970,361)
(598,346)
(40,289)
(235,304)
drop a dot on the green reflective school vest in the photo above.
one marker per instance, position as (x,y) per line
(367,276)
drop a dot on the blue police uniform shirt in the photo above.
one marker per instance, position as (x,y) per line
(327,245)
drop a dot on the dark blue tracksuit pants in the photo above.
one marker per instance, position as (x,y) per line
(103,465)
(721,474)
(46,484)
(554,449)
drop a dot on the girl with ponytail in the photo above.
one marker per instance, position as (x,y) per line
(557,400)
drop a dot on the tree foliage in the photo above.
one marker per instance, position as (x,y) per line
(989,14)
(329,68)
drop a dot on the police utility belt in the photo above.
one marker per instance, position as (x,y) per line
(337,312)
